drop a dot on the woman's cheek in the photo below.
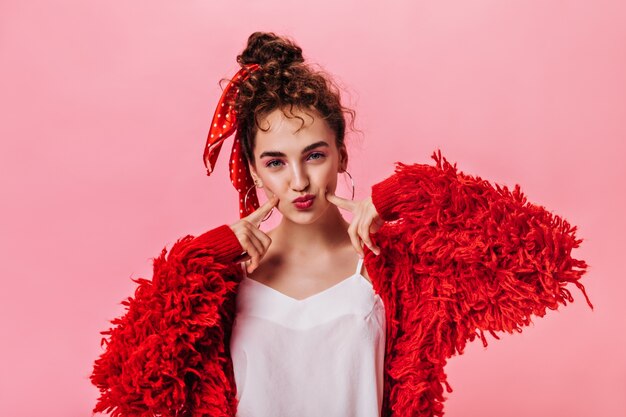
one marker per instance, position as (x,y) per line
(331,186)
(269,194)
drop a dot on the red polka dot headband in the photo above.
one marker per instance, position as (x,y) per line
(223,125)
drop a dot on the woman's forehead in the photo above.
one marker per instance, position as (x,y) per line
(297,130)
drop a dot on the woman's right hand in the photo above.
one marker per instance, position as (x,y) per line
(254,242)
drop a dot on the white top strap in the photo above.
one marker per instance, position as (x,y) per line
(359,265)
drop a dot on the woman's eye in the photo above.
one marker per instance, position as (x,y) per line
(276,162)
(317,154)
(270,164)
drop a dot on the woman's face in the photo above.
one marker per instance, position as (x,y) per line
(293,164)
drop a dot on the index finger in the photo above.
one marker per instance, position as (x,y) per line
(259,214)
(341,202)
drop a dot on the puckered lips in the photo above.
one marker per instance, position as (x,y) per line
(304,202)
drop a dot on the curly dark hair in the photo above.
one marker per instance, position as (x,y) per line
(283,81)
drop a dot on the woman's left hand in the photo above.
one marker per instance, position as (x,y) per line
(365,220)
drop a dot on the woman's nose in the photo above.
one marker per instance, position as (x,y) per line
(299,179)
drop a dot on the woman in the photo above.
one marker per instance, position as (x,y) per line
(319,316)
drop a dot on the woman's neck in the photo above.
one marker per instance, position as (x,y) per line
(327,233)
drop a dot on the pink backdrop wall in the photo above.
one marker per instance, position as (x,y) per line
(104,109)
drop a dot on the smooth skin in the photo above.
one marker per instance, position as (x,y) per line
(365,220)
(310,249)
(254,242)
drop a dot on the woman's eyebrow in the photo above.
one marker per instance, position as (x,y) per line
(305,150)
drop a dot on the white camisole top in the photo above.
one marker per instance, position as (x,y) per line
(321,356)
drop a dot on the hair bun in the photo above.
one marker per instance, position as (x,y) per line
(268,49)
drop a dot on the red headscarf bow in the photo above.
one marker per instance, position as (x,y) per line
(223,125)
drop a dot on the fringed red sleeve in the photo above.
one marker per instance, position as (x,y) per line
(468,257)
(164,356)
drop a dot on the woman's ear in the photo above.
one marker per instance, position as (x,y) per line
(343,158)
(255,177)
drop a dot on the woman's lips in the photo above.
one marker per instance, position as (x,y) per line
(303,205)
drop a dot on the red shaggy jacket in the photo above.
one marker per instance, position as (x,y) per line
(459,257)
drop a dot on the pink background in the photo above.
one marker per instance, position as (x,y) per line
(105,107)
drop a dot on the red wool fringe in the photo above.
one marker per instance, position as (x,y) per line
(459,257)
(468,257)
